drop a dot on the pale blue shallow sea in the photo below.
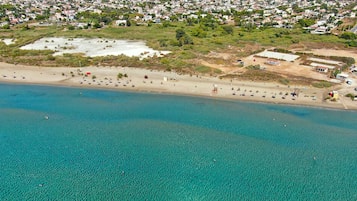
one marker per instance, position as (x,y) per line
(110,145)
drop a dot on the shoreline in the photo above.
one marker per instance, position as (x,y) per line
(160,82)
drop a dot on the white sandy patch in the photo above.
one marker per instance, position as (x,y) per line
(278,55)
(8,41)
(94,47)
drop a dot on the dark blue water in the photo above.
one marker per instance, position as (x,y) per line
(108,145)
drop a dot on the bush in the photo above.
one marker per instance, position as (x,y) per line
(71,27)
(282,50)
(348,36)
(203,69)
(350,95)
(284,81)
(352,43)
(6,26)
(347,60)
(322,84)
(254,67)
(228,29)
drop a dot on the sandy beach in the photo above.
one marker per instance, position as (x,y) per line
(145,80)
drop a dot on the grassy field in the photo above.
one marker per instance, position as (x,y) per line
(160,37)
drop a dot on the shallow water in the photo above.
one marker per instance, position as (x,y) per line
(108,145)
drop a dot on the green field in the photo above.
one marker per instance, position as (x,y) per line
(203,40)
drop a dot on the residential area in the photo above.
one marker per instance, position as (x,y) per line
(317,17)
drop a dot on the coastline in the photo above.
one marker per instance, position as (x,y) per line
(154,81)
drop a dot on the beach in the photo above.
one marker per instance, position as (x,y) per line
(155,81)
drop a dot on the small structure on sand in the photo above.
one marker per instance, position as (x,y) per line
(321,69)
(341,76)
(272,62)
(334,95)
(215,89)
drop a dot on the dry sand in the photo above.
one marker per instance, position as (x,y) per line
(171,83)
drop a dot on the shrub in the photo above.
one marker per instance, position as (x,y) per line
(350,95)
(348,36)
(322,84)
(284,81)
(203,69)
(254,67)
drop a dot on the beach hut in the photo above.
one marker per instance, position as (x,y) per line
(334,95)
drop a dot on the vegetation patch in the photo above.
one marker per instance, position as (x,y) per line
(284,81)
(352,96)
(203,69)
(256,75)
(188,41)
(322,84)
(254,67)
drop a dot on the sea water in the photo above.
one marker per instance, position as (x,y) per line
(61,143)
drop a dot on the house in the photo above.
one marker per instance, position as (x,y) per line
(320,30)
(353,69)
(2,24)
(120,22)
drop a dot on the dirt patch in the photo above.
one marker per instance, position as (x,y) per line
(227,60)
(293,72)
(320,45)
(330,52)
(286,68)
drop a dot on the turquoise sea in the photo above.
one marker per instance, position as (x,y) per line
(110,145)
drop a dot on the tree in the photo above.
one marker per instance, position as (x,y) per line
(296,8)
(187,40)
(180,33)
(6,26)
(228,29)
(183,38)
(71,27)
(199,32)
(97,25)
(174,18)
(107,20)
(128,23)
(306,22)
